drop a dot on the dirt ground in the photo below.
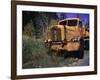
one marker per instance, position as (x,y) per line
(58,61)
(81,62)
(85,60)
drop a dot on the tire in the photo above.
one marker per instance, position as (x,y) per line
(80,53)
(86,44)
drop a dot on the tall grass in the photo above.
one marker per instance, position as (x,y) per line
(34,55)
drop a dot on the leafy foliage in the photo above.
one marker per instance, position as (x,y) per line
(36,23)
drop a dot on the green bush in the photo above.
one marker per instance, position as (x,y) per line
(26,49)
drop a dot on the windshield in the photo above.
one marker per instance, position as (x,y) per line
(72,23)
(69,22)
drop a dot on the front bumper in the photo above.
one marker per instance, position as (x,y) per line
(70,46)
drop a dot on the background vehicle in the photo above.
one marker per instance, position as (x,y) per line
(67,36)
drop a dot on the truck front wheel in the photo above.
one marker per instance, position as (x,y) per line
(80,53)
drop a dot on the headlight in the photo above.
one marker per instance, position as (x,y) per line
(76,38)
(46,41)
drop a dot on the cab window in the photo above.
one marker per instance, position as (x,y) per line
(72,22)
(63,22)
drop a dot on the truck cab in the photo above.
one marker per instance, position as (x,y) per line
(67,36)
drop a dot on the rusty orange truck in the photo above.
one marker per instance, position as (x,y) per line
(68,36)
